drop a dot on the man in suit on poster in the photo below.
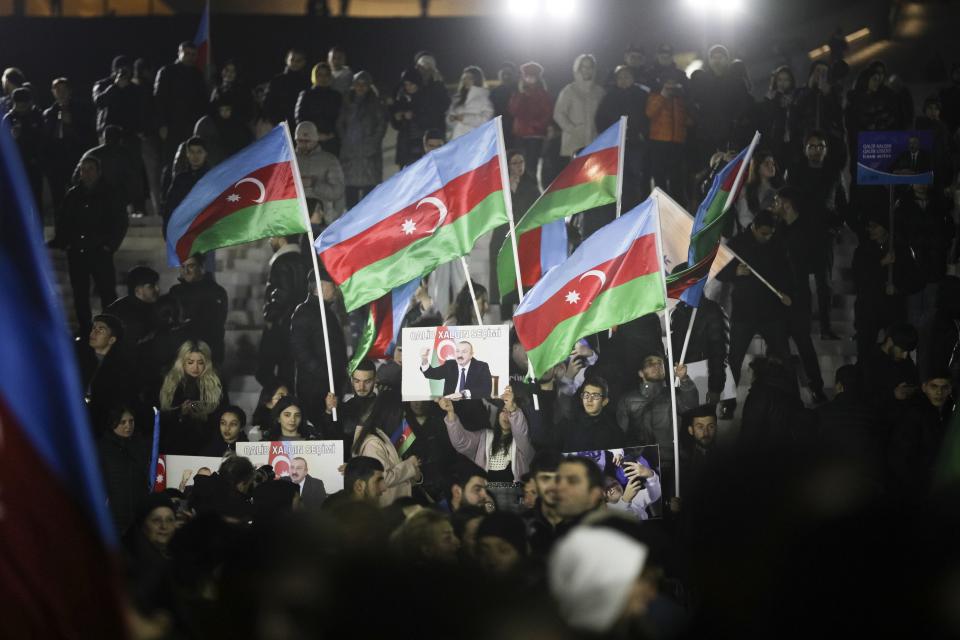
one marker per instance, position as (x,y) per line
(463,377)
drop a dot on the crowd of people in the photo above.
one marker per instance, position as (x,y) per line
(529,512)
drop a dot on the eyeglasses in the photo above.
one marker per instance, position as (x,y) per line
(587,395)
(818,147)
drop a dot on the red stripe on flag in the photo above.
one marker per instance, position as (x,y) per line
(528,248)
(589,168)
(691,276)
(638,260)
(731,176)
(278,184)
(401,229)
(382,310)
(58,579)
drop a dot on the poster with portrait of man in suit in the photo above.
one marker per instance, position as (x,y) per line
(468,362)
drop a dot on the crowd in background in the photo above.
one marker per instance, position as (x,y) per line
(483,527)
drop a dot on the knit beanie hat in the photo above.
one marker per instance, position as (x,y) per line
(591,572)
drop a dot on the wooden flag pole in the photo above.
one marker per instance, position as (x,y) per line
(316,263)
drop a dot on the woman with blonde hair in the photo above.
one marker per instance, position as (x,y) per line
(189,399)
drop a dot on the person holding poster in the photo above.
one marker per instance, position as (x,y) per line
(465,377)
(371,440)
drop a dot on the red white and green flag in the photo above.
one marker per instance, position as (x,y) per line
(253,194)
(444,348)
(613,277)
(590,180)
(431,212)
(379,337)
(708,224)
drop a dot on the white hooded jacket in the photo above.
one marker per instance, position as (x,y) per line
(575,111)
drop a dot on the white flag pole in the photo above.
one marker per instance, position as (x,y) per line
(473,296)
(673,390)
(316,263)
(621,143)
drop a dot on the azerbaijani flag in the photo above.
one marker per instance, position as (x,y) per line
(380,334)
(444,348)
(430,213)
(59,556)
(280,458)
(403,438)
(590,180)
(202,42)
(253,194)
(612,278)
(708,227)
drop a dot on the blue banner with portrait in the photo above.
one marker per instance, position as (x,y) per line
(894,157)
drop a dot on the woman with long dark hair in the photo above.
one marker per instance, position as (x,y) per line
(763,180)
(503,449)
(461,312)
(471,105)
(371,439)
(125,464)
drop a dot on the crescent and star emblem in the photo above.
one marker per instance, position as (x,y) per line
(573,297)
(235,197)
(441,209)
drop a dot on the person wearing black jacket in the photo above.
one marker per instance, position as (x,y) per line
(320,104)
(106,372)
(91,225)
(125,465)
(120,101)
(137,309)
(915,440)
(756,309)
(184,181)
(591,427)
(203,304)
(25,123)
(432,447)
(286,288)
(309,353)
(181,98)
(851,428)
(709,340)
(411,116)
(627,98)
(940,335)
(280,100)
(68,127)
(121,167)
(801,236)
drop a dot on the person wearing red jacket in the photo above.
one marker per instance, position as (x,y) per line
(532,110)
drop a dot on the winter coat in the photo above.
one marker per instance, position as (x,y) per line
(222,137)
(121,168)
(477,445)
(723,101)
(630,102)
(668,118)
(188,434)
(752,300)
(124,107)
(107,382)
(307,346)
(286,285)
(91,220)
(940,335)
(282,93)
(321,106)
(398,475)
(473,111)
(532,111)
(361,126)
(322,178)
(929,230)
(181,95)
(709,340)
(239,96)
(644,414)
(582,432)
(575,111)
(125,466)
(773,413)
(204,305)
(139,318)
(180,187)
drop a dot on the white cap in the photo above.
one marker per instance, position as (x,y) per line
(591,573)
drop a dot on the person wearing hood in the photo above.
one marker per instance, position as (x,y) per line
(306,343)
(532,110)
(320,171)
(471,105)
(576,107)
(204,305)
(320,104)
(361,126)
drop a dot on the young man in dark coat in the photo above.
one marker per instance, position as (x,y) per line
(68,127)
(591,427)
(203,304)
(916,438)
(181,98)
(286,288)
(184,181)
(137,309)
(756,309)
(284,88)
(90,226)
(309,353)
(108,377)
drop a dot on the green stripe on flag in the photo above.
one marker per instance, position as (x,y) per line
(709,235)
(553,205)
(363,345)
(423,256)
(615,306)
(406,444)
(274,218)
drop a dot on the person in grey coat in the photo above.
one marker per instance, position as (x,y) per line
(361,126)
(320,171)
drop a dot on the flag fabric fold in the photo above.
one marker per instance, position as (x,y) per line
(55,530)
(612,278)
(253,194)
(590,180)
(202,42)
(427,214)
(708,224)
(380,334)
